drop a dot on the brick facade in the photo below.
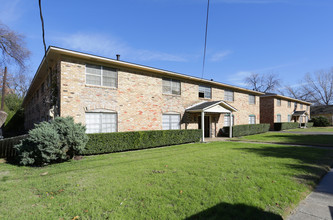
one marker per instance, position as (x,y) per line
(138,99)
(269,109)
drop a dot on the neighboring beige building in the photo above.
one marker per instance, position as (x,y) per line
(110,95)
(278,108)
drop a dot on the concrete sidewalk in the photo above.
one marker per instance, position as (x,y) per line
(319,204)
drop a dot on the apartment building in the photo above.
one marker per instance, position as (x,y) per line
(110,95)
(278,108)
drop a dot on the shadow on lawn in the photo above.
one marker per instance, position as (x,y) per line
(326,140)
(227,211)
(315,162)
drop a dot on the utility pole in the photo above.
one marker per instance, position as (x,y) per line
(4,89)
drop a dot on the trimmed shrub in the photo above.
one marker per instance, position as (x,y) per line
(320,121)
(123,141)
(279,126)
(243,130)
(51,142)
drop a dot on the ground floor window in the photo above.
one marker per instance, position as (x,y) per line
(252,119)
(170,121)
(278,118)
(98,122)
(289,118)
(227,120)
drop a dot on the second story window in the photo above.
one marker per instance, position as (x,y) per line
(295,105)
(171,86)
(301,106)
(101,76)
(278,102)
(289,104)
(228,95)
(252,99)
(205,92)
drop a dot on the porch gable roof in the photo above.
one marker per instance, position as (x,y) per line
(213,106)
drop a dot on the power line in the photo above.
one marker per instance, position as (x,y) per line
(42,20)
(204,56)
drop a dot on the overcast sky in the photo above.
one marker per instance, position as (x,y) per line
(287,37)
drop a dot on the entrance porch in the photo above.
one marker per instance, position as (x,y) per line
(209,111)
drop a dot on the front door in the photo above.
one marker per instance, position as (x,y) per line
(207,125)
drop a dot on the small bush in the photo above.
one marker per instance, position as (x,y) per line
(243,130)
(123,141)
(320,121)
(51,142)
(279,126)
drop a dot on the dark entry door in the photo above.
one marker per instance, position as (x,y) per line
(207,125)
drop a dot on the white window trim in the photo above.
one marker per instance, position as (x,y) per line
(226,97)
(100,124)
(170,124)
(254,99)
(101,85)
(203,86)
(172,81)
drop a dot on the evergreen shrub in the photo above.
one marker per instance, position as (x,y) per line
(243,130)
(279,126)
(134,140)
(50,142)
(320,121)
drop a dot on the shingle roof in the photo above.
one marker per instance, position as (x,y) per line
(202,105)
(298,113)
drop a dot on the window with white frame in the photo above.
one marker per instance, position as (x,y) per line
(252,119)
(171,86)
(252,99)
(278,118)
(100,122)
(278,102)
(170,121)
(228,95)
(301,106)
(101,76)
(205,92)
(227,119)
(289,104)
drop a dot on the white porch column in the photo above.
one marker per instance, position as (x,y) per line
(230,126)
(203,126)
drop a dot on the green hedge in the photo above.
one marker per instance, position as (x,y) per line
(279,126)
(122,141)
(243,130)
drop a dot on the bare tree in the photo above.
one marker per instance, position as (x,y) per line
(12,47)
(319,86)
(296,92)
(262,82)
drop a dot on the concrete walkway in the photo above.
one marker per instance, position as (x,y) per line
(319,204)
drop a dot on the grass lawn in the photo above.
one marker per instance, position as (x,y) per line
(314,129)
(276,137)
(219,180)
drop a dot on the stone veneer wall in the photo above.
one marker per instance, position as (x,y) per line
(139,101)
